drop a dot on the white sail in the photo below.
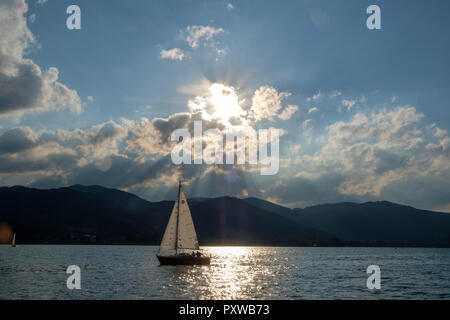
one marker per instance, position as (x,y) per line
(187,237)
(169,241)
(180,231)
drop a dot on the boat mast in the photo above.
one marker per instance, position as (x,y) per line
(178,217)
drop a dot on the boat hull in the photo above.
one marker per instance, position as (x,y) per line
(183,260)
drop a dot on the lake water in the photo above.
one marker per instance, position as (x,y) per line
(133,272)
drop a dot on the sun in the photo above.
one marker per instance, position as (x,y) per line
(221,103)
(225,102)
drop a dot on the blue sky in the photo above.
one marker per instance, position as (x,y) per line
(370,107)
(115,57)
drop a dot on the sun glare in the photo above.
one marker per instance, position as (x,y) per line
(225,102)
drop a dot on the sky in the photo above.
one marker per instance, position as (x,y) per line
(363,114)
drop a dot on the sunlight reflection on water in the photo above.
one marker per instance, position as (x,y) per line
(133,272)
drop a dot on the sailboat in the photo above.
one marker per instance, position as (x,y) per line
(13,242)
(179,244)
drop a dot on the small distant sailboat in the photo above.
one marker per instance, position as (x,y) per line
(179,244)
(13,242)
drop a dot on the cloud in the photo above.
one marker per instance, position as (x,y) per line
(307,123)
(266,102)
(16,140)
(313,109)
(64,155)
(314,97)
(219,103)
(386,154)
(348,103)
(173,54)
(288,112)
(335,93)
(133,155)
(230,6)
(23,86)
(194,35)
(387,127)
(105,132)
(440,133)
(380,149)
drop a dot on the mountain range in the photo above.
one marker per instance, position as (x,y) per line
(95,214)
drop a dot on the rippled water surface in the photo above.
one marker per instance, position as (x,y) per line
(133,272)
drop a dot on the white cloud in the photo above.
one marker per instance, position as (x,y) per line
(266,102)
(440,133)
(307,123)
(313,109)
(24,87)
(196,34)
(348,103)
(15,36)
(173,54)
(387,155)
(295,149)
(314,97)
(389,128)
(288,112)
(230,6)
(221,52)
(373,151)
(335,93)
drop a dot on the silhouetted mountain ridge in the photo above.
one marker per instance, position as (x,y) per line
(95,214)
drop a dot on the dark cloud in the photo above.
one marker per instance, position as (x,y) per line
(121,173)
(20,166)
(387,161)
(16,140)
(303,191)
(22,90)
(165,127)
(109,130)
(427,192)
(29,165)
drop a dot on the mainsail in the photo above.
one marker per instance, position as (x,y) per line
(187,237)
(169,241)
(180,231)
